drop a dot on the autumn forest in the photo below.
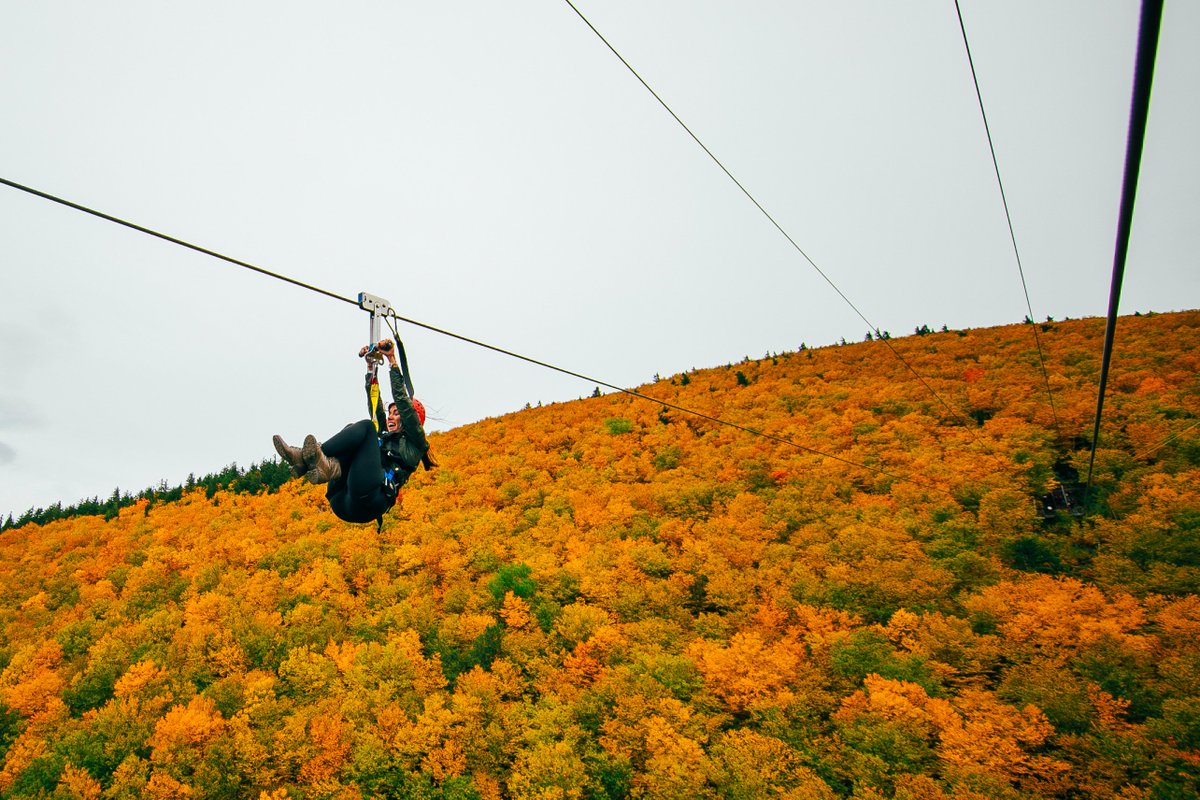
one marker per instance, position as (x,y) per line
(897,590)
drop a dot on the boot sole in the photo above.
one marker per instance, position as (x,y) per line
(286,453)
(312,460)
(310,450)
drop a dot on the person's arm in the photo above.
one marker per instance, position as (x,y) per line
(410,423)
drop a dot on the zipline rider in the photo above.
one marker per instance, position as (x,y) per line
(367,462)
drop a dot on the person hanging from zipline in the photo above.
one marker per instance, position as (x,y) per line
(367,462)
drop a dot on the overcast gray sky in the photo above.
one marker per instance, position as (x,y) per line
(493,170)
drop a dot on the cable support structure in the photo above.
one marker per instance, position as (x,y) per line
(443,332)
(870,325)
(1139,112)
(1008,216)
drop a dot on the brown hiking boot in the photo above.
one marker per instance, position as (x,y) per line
(292,456)
(321,468)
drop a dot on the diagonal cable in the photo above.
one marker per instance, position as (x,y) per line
(1149,451)
(174,240)
(278,276)
(872,326)
(668,404)
(1007,215)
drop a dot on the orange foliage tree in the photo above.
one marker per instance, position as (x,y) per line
(610,598)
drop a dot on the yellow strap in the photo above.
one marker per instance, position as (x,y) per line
(375,403)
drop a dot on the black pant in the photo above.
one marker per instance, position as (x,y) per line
(360,494)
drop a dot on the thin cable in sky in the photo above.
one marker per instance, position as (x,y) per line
(870,325)
(310,287)
(670,405)
(174,240)
(1007,215)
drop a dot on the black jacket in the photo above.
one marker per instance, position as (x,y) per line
(402,451)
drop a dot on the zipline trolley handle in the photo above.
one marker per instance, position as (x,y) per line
(379,308)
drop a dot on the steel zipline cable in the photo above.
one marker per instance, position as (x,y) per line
(870,325)
(665,403)
(278,276)
(1007,215)
(1166,441)
(1143,76)
(1139,112)
(173,240)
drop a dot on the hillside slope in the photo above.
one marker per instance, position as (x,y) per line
(611,598)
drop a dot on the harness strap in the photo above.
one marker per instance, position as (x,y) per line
(403,358)
(374,395)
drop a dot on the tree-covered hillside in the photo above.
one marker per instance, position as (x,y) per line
(613,598)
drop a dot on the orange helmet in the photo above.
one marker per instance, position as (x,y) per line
(420,409)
